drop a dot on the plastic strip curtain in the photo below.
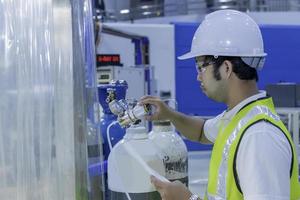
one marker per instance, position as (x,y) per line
(94,139)
(43,112)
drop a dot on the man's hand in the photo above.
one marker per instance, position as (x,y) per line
(161,112)
(171,190)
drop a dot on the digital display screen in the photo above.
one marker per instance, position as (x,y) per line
(104,76)
(108,59)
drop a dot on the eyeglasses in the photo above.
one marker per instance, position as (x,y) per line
(201,66)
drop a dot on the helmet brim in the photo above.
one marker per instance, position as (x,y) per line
(187,56)
(193,55)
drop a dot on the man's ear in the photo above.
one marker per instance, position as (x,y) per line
(228,68)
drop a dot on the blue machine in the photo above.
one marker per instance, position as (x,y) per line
(115,90)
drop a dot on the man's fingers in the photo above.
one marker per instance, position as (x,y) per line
(151,117)
(150,100)
(157,111)
(148,97)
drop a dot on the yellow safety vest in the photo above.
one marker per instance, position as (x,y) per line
(223,179)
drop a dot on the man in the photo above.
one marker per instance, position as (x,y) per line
(253,157)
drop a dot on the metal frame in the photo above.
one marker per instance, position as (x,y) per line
(294,114)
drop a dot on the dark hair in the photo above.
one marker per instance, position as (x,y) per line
(240,68)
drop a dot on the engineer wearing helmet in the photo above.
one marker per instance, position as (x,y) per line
(253,156)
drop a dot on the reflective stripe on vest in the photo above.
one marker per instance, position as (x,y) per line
(221,184)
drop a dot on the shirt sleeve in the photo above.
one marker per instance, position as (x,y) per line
(211,127)
(263,163)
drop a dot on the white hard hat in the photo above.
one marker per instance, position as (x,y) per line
(228,33)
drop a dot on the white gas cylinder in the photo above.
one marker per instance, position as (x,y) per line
(173,149)
(126,171)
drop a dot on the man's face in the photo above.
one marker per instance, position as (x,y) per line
(213,88)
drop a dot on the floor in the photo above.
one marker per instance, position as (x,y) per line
(198,171)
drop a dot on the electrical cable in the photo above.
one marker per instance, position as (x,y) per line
(108,133)
(113,157)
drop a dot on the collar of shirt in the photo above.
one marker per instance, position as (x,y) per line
(229,114)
